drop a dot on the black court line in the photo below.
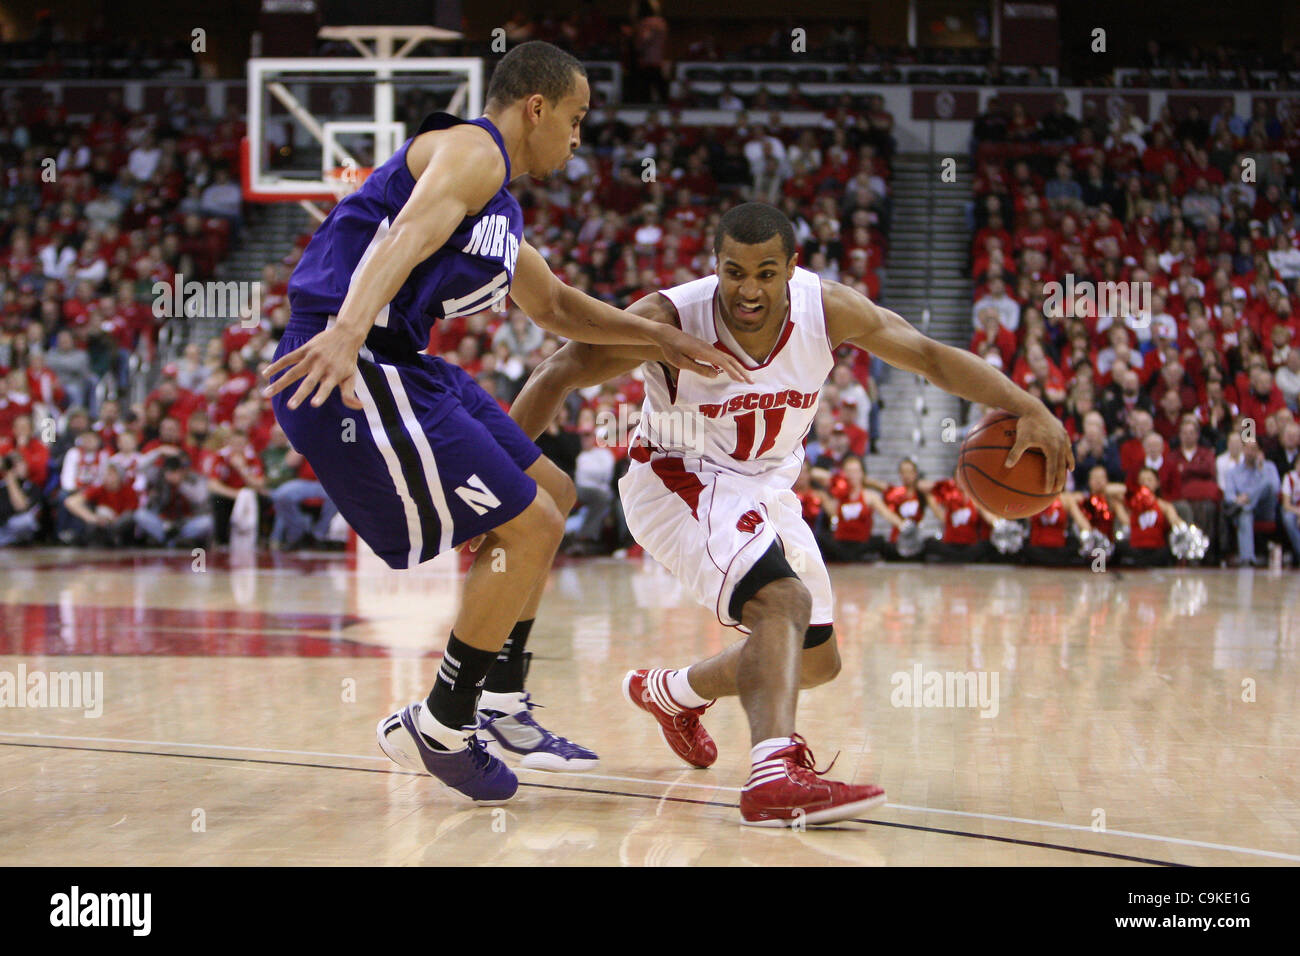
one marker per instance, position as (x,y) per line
(609,793)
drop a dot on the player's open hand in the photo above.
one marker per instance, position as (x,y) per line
(1041,430)
(329,359)
(686,352)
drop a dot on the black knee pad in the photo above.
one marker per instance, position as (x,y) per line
(772,566)
(817,635)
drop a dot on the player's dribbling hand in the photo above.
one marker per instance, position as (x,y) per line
(1043,431)
(328,360)
(685,351)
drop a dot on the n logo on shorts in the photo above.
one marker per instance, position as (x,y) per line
(749,522)
(475,494)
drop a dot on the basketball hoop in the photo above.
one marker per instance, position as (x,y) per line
(345,180)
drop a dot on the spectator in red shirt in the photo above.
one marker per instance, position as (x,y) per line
(905,501)
(966,526)
(1048,544)
(850,537)
(1081,399)
(1036,236)
(1132,451)
(992,331)
(812,499)
(235,478)
(1100,504)
(104,514)
(1173,377)
(34,451)
(1155,455)
(1263,398)
(169,442)
(1168,416)
(1195,487)
(1151,518)
(1035,366)
(83,465)
(176,402)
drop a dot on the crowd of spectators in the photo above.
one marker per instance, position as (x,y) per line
(94,215)
(200,455)
(1195,372)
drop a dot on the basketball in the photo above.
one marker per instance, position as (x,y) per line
(1007,492)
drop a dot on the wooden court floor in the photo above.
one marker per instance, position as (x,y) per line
(1137,718)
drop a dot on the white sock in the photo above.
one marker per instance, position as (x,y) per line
(449,737)
(765,748)
(680,687)
(511,703)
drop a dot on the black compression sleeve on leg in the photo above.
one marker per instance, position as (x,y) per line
(817,635)
(772,566)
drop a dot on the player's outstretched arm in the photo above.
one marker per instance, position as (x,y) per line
(463,174)
(853,318)
(575,315)
(581,365)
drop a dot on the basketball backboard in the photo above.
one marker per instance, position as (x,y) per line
(314,122)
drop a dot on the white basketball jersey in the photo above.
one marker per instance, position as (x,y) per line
(717,424)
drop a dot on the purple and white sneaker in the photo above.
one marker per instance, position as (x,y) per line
(470,771)
(507,728)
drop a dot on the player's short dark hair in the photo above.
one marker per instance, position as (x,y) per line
(753,222)
(533,67)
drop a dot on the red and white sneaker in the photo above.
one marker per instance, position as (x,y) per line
(786,788)
(680,726)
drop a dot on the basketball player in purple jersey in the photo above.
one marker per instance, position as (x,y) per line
(420,459)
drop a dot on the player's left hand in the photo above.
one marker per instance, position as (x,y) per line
(329,359)
(1043,431)
(685,351)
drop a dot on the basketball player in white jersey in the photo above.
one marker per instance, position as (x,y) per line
(709,494)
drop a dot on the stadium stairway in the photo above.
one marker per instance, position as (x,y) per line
(927,283)
(268,236)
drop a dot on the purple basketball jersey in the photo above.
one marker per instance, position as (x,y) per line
(470,273)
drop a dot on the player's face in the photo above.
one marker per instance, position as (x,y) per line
(557,135)
(752,283)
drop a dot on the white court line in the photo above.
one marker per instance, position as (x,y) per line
(176,743)
(1107,832)
(664,783)
(323,753)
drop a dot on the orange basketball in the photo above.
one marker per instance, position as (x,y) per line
(1007,492)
